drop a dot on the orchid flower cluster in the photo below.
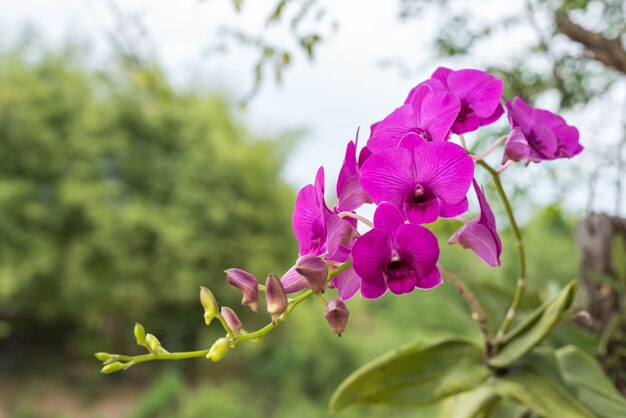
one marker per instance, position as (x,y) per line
(412,169)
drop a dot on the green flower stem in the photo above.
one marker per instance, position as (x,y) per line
(234,340)
(521,281)
(230,332)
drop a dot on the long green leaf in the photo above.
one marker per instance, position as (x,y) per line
(584,376)
(469,404)
(415,374)
(537,383)
(534,328)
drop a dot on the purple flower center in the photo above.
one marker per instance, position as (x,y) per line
(399,274)
(421,195)
(465,112)
(422,133)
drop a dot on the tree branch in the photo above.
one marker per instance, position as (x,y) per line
(609,52)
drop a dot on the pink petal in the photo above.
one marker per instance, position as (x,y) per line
(306,214)
(429,280)
(352,196)
(390,130)
(402,280)
(347,283)
(388,176)
(437,113)
(293,282)
(448,210)
(423,213)
(516,147)
(369,291)
(420,245)
(388,218)
(446,168)
(479,239)
(349,167)
(479,89)
(369,254)
(340,238)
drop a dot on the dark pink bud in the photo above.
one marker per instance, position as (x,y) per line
(276,297)
(232,320)
(248,285)
(336,314)
(314,270)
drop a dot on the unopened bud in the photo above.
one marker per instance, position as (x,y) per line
(218,350)
(211,308)
(140,334)
(103,356)
(276,297)
(336,314)
(232,320)
(314,270)
(112,368)
(248,284)
(153,343)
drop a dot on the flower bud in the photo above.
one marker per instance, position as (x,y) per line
(140,334)
(153,343)
(314,270)
(218,350)
(103,356)
(336,314)
(211,308)
(112,368)
(231,319)
(248,285)
(276,297)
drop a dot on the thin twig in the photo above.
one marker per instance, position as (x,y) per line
(477,311)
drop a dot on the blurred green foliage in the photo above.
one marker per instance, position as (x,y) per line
(120,196)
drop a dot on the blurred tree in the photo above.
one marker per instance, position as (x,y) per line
(120,196)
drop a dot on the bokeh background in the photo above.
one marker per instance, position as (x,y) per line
(147,146)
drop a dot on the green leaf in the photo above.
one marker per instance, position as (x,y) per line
(469,404)
(534,328)
(537,383)
(415,374)
(584,376)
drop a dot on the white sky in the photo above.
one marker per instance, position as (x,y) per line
(344,87)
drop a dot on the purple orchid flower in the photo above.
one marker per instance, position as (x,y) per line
(538,135)
(478,91)
(424,180)
(310,216)
(480,234)
(349,192)
(428,114)
(395,255)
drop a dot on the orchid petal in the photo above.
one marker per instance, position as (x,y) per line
(347,283)
(446,168)
(387,176)
(369,254)
(388,218)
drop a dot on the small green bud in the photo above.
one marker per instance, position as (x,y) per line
(211,308)
(103,356)
(275,296)
(153,343)
(112,368)
(140,334)
(218,350)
